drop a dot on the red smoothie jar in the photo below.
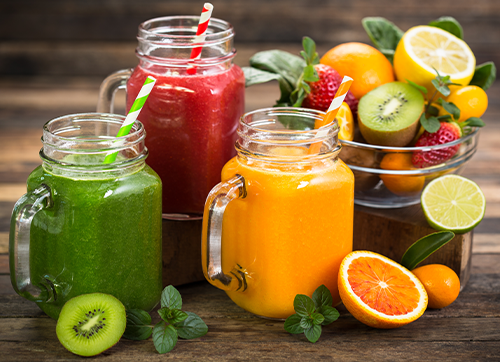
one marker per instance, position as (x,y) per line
(190,119)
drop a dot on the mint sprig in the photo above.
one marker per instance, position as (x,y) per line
(311,314)
(175,323)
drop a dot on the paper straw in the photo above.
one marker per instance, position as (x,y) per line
(200,36)
(133,113)
(332,111)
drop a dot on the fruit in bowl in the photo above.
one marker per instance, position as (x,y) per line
(417,97)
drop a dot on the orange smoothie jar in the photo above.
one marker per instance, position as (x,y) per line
(281,221)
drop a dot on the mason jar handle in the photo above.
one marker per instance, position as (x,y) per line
(19,245)
(109,86)
(220,196)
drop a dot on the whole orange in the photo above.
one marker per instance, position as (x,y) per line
(471,100)
(366,65)
(440,282)
(401,185)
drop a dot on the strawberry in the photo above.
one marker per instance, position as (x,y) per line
(323,90)
(447,132)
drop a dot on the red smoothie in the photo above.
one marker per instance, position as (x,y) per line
(191,123)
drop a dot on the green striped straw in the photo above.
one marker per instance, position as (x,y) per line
(133,113)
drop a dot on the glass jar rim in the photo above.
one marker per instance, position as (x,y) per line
(212,38)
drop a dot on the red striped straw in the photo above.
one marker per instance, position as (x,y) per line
(332,111)
(200,36)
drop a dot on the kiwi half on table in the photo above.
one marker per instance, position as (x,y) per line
(389,115)
(91,323)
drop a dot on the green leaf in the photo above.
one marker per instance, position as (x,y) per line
(164,337)
(317,318)
(256,76)
(430,124)
(192,327)
(441,87)
(445,117)
(329,313)
(433,111)
(303,305)
(451,108)
(419,87)
(322,296)
(171,298)
(474,122)
(306,322)
(309,49)
(310,74)
(424,247)
(383,34)
(138,325)
(451,25)
(484,75)
(172,316)
(292,324)
(313,333)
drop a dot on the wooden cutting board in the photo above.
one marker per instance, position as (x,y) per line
(385,231)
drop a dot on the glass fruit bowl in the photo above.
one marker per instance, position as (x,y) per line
(392,187)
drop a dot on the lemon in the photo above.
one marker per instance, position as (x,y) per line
(453,203)
(346,122)
(425,48)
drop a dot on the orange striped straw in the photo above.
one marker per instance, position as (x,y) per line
(200,36)
(332,111)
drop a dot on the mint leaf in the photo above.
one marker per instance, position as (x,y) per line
(292,324)
(419,87)
(430,124)
(329,313)
(303,305)
(433,111)
(310,74)
(317,318)
(309,53)
(446,117)
(172,316)
(256,76)
(473,122)
(424,247)
(287,65)
(306,322)
(450,108)
(451,25)
(383,34)
(138,325)
(484,75)
(164,337)
(313,333)
(441,86)
(192,327)
(322,296)
(171,298)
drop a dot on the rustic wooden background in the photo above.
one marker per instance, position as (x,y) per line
(96,37)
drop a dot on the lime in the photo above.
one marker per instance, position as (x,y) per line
(453,203)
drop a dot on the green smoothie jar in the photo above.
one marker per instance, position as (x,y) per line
(85,226)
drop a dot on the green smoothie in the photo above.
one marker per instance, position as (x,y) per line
(101,235)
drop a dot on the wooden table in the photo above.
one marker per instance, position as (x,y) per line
(466,330)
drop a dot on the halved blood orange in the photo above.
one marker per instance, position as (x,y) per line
(379,292)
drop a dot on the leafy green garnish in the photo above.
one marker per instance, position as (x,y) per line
(175,323)
(138,325)
(451,25)
(450,107)
(484,75)
(311,314)
(424,247)
(383,34)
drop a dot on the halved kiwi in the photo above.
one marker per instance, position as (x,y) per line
(389,115)
(91,323)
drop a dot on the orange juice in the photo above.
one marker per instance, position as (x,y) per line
(281,221)
(290,233)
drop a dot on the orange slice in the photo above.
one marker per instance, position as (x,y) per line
(380,292)
(346,122)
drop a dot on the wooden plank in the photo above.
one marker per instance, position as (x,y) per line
(262,350)
(11,192)
(486,243)
(4,264)
(4,242)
